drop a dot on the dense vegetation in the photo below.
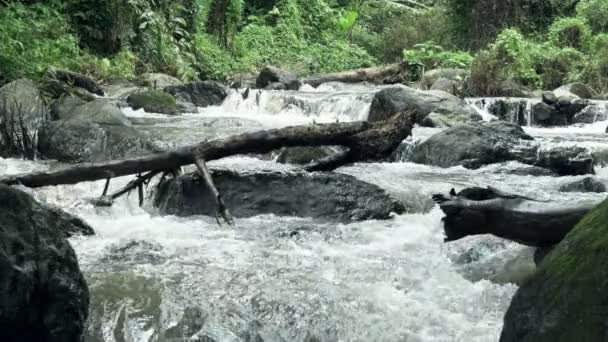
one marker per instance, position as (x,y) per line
(535,43)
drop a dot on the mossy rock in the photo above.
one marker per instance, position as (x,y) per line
(567,299)
(154,101)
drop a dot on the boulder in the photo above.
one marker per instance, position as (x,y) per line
(432,76)
(270,75)
(157,80)
(549,97)
(510,88)
(438,121)
(324,196)
(64,105)
(306,155)
(477,144)
(565,300)
(447,85)
(390,101)
(59,82)
(591,113)
(201,94)
(21,100)
(587,184)
(578,89)
(543,112)
(153,101)
(91,132)
(43,296)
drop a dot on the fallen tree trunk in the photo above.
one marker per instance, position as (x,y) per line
(383,74)
(365,140)
(479,211)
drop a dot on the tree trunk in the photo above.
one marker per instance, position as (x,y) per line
(383,74)
(365,140)
(512,217)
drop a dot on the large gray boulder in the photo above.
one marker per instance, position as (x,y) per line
(91,132)
(153,101)
(201,94)
(578,89)
(43,294)
(274,78)
(447,85)
(21,101)
(477,144)
(393,100)
(324,196)
(430,77)
(158,81)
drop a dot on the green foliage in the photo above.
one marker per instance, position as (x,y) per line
(557,66)
(212,61)
(570,33)
(120,66)
(33,38)
(596,14)
(434,56)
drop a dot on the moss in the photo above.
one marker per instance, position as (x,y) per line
(566,299)
(154,101)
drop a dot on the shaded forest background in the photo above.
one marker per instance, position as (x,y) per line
(540,44)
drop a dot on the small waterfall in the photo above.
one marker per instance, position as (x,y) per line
(320,106)
(517,110)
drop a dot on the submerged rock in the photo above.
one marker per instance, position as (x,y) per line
(153,101)
(201,94)
(93,131)
(477,144)
(326,196)
(565,300)
(43,296)
(587,184)
(390,101)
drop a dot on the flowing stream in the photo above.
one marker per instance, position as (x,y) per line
(156,278)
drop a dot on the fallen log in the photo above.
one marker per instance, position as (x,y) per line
(378,75)
(477,211)
(366,141)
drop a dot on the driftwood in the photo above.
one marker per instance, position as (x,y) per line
(477,211)
(365,140)
(378,75)
(219,202)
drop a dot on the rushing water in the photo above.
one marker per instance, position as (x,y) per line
(156,278)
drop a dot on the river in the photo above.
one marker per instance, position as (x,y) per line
(156,278)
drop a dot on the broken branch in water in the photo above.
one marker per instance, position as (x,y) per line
(219,202)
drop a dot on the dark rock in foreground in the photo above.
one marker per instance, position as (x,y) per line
(476,144)
(393,100)
(43,294)
(587,184)
(326,196)
(565,300)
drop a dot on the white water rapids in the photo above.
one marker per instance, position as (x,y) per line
(156,278)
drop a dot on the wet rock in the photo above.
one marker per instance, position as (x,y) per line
(511,89)
(587,184)
(306,155)
(549,97)
(59,82)
(157,80)
(23,96)
(120,90)
(510,110)
(449,86)
(270,75)
(64,105)
(438,121)
(578,89)
(543,112)
(201,94)
(432,76)
(590,114)
(472,145)
(93,131)
(325,196)
(477,144)
(393,100)
(153,101)
(565,300)
(44,296)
